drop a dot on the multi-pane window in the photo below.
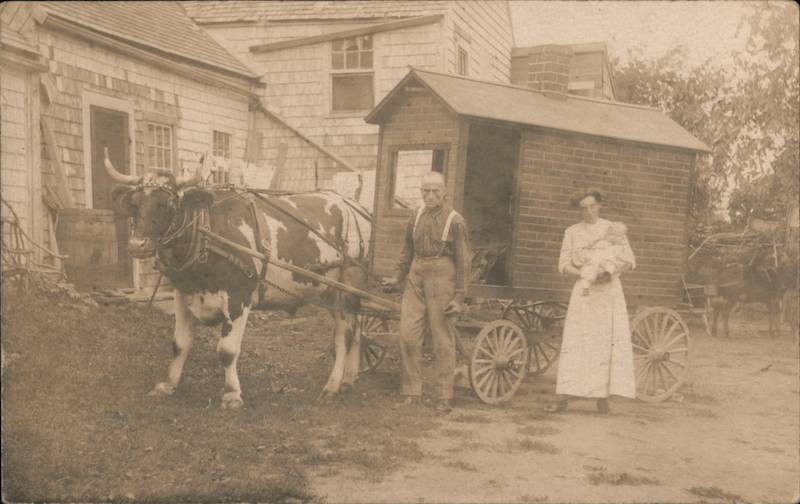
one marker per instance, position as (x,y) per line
(351,76)
(462,63)
(159,146)
(222,152)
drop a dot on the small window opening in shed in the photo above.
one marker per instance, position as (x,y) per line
(489,204)
(222,151)
(409,166)
(352,79)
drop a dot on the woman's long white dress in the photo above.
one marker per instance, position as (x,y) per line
(596,354)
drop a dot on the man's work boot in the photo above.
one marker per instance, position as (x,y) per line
(443,407)
(407,402)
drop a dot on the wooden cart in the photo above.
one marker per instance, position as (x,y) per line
(511,157)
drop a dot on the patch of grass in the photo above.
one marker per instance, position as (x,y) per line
(702,412)
(78,425)
(619,479)
(457,433)
(594,468)
(533,446)
(461,465)
(467,418)
(532,430)
(530,499)
(715,493)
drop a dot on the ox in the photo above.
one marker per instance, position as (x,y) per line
(320,231)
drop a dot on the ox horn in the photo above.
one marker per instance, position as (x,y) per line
(119,177)
(193,179)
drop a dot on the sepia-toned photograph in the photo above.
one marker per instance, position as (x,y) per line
(400,251)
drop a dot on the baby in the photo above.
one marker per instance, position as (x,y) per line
(604,255)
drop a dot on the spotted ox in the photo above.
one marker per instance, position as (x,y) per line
(320,231)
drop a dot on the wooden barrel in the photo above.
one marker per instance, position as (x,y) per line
(89,238)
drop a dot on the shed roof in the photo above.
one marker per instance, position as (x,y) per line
(237,10)
(158,25)
(521,105)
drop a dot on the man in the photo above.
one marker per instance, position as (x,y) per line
(435,263)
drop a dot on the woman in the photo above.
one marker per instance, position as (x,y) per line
(596,354)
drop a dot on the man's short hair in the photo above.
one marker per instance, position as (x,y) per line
(433,178)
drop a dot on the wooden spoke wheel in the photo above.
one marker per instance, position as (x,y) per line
(372,353)
(543,322)
(660,341)
(498,362)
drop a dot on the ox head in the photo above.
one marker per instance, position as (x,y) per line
(154,201)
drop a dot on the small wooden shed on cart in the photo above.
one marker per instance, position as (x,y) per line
(511,157)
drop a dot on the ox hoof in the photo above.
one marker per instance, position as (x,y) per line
(232,400)
(326,396)
(163,389)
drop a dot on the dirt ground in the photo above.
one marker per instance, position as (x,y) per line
(78,425)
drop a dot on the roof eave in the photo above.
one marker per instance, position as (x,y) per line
(48,18)
(374,116)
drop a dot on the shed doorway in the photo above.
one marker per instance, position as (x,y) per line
(489,200)
(109,128)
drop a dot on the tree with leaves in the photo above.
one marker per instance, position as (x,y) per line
(748,113)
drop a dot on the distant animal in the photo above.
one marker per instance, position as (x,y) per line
(754,276)
(218,285)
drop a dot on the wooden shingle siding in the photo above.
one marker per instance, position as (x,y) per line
(298,89)
(298,78)
(15,179)
(645,186)
(191,107)
(487,25)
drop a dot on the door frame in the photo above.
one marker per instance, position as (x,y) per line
(90,99)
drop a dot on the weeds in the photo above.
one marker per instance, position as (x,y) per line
(531,430)
(461,465)
(619,479)
(715,493)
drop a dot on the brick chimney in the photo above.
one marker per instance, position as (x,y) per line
(542,68)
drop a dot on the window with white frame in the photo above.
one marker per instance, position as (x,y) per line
(352,86)
(462,62)
(221,148)
(159,146)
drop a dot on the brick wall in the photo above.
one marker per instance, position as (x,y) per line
(418,119)
(646,187)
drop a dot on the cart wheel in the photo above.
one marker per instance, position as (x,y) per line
(660,341)
(498,362)
(372,353)
(543,322)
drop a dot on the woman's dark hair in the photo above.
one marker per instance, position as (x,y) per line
(577,196)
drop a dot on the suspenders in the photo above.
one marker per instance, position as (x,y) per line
(445,231)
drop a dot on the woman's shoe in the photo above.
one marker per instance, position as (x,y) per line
(556,407)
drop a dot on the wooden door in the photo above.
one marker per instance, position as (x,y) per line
(109,128)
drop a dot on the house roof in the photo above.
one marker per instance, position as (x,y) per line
(293,10)
(11,38)
(159,25)
(521,105)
